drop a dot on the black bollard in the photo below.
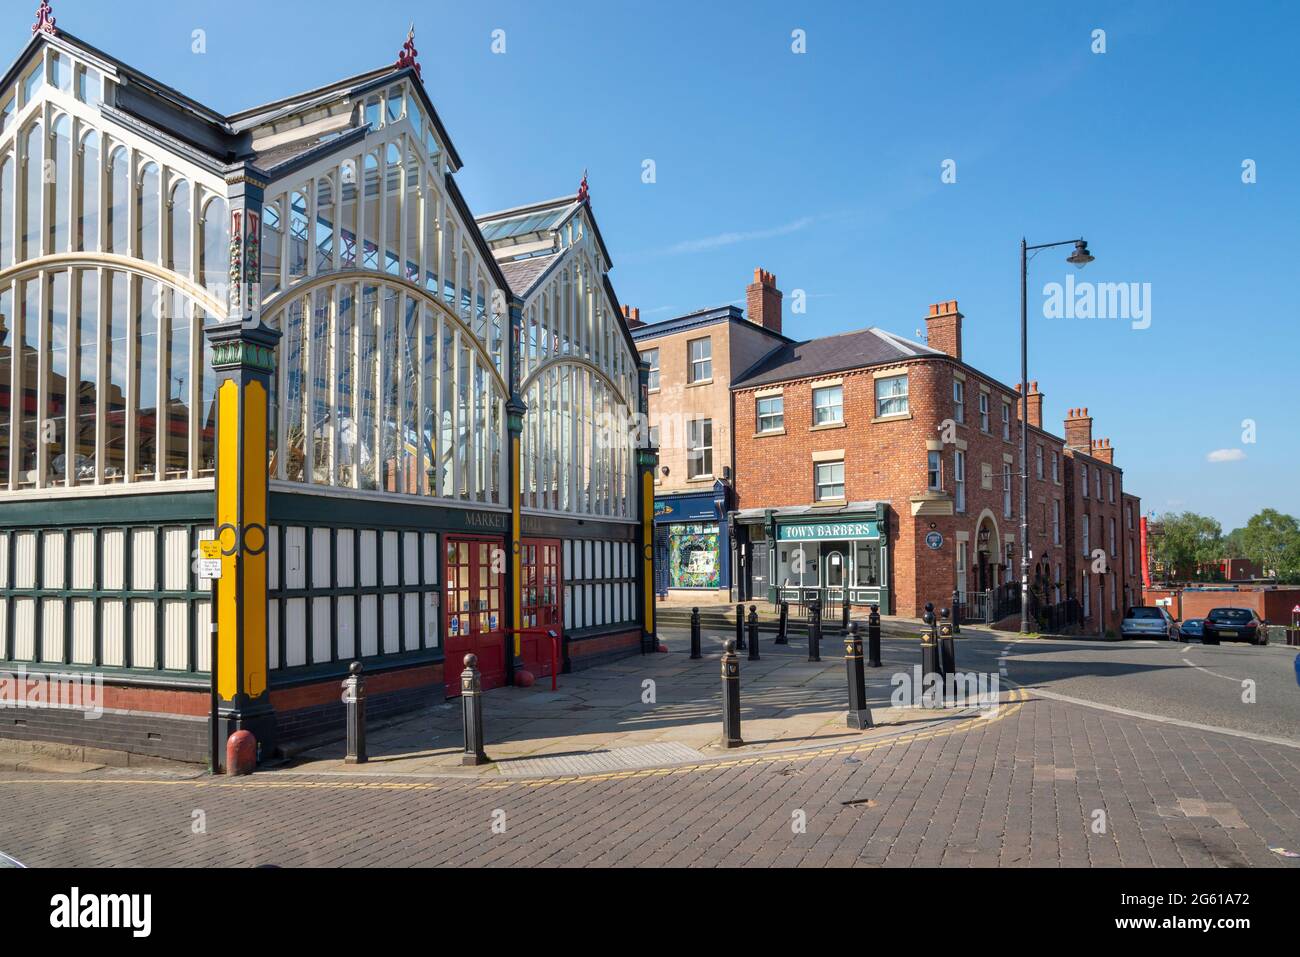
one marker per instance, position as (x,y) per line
(695,634)
(873,637)
(814,631)
(845,608)
(354,699)
(471,697)
(859,714)
(753,633)
(782,634)
(740,627)
(947,655)
(956,612)
(929,658)
(731,696)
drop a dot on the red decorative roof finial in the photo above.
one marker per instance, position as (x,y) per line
(408,54)
(45,19)
(583,193)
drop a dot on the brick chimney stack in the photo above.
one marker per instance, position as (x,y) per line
(632,317)
(1101,450)
(763,301)
(1034,406)
(943,328)
(1078,430)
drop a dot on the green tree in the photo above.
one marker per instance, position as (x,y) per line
(1272,539)
(1186,541)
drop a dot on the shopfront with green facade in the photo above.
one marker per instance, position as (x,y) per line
(800,554)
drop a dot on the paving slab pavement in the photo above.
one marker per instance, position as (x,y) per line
(645,706)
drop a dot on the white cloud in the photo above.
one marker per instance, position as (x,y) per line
(730,239)
(1226,455)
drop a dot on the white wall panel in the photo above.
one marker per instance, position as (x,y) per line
(392,626)
(273,558)
(347,634)
(144,630)
(177,559)
(320,626)
(320,558)
(52,558)
(202,635)
(390,558)
(25,629)
(430,558)
(411,561)
(272,634)
(295,632)
(112,618)
(4,627)
(295,557)
(412,603)
(369,626)
(83,559)
(176,635)
(144,559)
(52,629)
(4,559)
(83,631)
(431,620)
(25,560)
(369,557)
(343,545)
(112,543)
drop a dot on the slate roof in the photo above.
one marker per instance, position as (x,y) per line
(523,274)
(829,354)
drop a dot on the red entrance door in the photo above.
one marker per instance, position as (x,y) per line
(540,600)
(475,623)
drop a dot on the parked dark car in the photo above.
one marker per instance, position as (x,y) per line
(1192,628)
(1234,624)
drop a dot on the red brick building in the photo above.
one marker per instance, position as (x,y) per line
(887,470)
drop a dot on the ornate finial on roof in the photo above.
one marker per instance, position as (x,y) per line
(45,19)
(409,53)
(583,193)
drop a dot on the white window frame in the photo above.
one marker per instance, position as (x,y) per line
(959,480)
(1056,467)
(905,410)
(760,415)
(696,450)
(1056,521)
(1083,473)
(934,470)
(984,412)
(1006,422)
(1006,489)
(817,408)
(699,368)
(1038,461)
(959,401)
(652,356)
(819,483)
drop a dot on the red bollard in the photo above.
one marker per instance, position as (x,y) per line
(241,753)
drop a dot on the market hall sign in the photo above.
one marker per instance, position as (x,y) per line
(826,531)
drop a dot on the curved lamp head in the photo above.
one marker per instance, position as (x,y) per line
(1080,257)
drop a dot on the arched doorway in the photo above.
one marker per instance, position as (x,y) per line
(988,552)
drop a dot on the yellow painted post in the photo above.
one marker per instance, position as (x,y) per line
(243,358)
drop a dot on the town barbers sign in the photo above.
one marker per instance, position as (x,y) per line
(826,531)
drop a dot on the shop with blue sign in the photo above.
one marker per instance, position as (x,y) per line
(691,541)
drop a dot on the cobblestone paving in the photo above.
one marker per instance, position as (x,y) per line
(1023,788)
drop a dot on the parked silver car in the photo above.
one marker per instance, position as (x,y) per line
(1149,621)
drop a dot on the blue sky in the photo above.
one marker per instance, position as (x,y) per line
(824,167)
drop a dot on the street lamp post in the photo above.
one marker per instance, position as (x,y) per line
(1080,258)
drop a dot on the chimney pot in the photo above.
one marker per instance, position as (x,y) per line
(943,328)
(763,301)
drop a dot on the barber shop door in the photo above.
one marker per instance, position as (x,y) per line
(475,622)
